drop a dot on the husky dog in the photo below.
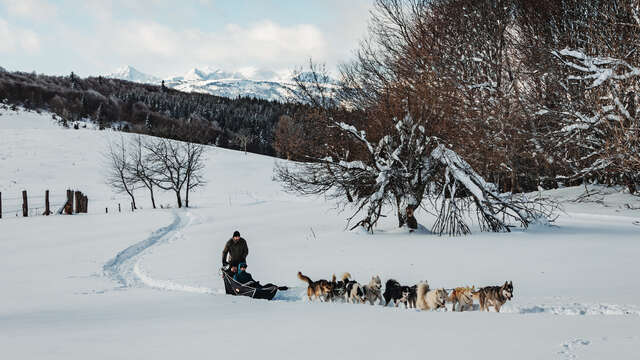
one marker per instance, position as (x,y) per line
(321,289)
(373,291)
(494,296)
(430,299)
(413,296)
(463,296)
(396,292)
(339,287)
(355,293)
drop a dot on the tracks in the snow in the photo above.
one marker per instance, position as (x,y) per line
(125,266)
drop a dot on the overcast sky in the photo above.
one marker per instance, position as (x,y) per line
(163,38)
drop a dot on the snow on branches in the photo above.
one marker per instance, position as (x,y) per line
(402,169)
(601,127)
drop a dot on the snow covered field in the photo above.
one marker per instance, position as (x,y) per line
(146,284)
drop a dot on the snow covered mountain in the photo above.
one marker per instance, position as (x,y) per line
(251,82)
(130,73)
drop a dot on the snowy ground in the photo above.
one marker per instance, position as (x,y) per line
(146,284)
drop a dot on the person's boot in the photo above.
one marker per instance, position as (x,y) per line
(283,288)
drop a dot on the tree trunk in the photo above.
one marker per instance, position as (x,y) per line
(630,184)
(133,200)
(406,208)
(153,200)
(179,198)
(186,197)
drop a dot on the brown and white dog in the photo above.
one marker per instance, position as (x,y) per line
(463,297)
(494,296)
(430,299)
(320,289)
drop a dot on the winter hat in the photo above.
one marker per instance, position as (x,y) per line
(236,233)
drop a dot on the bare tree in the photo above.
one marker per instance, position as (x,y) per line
(120,176)
(176,165)
(243,139)
(194,168)
(142,166)
(168,166)
(288,137)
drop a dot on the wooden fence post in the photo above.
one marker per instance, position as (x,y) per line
(85,204)
(119,210)
(0,205)
(106,210)
(68,206)
(25,205)
(47,210)
(77,207)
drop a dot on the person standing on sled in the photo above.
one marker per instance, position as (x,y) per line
(235,251)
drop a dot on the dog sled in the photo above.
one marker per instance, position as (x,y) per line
(232,287)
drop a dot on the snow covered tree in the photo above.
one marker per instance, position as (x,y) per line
(589,68)
(404,168)
(423,94)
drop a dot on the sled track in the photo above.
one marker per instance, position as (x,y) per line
(125,268)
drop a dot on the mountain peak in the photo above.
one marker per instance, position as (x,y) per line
(209,73)
(130,73)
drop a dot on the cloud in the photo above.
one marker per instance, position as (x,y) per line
(14,39)
(95,36)
(264,43)
(30,9)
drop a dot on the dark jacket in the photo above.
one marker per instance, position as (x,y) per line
(243,277)
(238,251)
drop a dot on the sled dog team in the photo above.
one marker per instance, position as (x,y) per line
(417,296)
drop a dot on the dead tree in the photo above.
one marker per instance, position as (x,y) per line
(119,170)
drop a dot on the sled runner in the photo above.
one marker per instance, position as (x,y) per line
(232,287)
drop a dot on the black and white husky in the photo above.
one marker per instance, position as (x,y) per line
(395,292)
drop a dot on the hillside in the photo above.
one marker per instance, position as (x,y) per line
(146,284)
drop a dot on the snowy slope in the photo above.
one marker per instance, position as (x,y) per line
(145,284)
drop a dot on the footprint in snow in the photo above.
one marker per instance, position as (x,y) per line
(569,348)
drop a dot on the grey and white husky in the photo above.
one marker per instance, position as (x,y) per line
(494,296)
